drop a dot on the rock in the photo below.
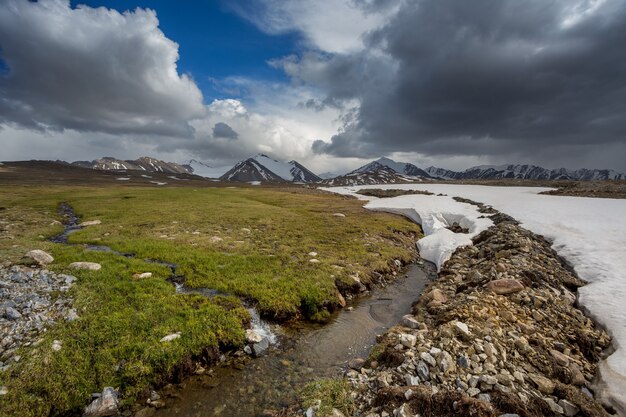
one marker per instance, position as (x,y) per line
(339,215)
(260,348)
(488,379)
(463,362)
(544,385)
(105,406)
(561,358)
(484,397)
(71,315)
(407,340)
(336,413)
(403,411)
(340,299)
(422,371)
(4,390)
(472,392)
(170,337)
(11,314)
(356,363)
(91,223)
(56,345)
(427,357)
(569,408)
(314,261)
(505,286)
(436,298)
(410,322)
(313,254)
(215,239)
(142,275)
(252,336)
(90,266)
(462,329)
(146,412)
(553,406)
(39,256)
(411,380)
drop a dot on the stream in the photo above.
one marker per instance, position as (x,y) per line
(299,353)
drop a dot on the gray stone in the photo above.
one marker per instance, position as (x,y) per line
(463,362)
(426,357)
(410,322)
(41,257)
(260,348)
(488,379)
(90,266)
(11,314)
(569,408)
(553,406)
(407,340)
(422,371)
(105,406)
(252,336)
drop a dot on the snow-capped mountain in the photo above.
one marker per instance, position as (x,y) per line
(527,172)
(399,167)
(375,174)
(263,168)
(145,163)
(203,169)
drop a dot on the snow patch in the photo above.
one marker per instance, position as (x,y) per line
(589,233)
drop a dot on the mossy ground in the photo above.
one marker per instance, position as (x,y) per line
(266,235)
(328,394)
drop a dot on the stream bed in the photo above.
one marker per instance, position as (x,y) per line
(304,352)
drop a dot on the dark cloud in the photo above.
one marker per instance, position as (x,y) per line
(486,77)
(94,70)
(222,130)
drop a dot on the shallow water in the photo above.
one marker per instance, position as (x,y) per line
(303,353)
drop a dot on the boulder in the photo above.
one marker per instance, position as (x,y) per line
(505,286)
(141,275)
(40,257)
(436,298)
(410,322)
(356,363)
(11,314)
(104,406)
(339,215)
(90,266)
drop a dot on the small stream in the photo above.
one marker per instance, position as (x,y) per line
(305,352)
(300,352)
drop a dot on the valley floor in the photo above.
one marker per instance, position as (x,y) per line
(67,333)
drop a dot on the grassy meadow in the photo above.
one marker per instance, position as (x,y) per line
(251,243)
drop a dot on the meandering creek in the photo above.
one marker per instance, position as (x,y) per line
(300,352)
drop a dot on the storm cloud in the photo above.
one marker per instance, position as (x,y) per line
(223,130)
(92,69)
(487,77)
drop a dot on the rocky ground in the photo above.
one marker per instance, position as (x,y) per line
(31,300)
(497,334)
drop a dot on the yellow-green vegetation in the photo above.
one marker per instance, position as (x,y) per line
(253,243)
(328,394)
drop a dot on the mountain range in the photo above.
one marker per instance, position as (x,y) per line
(381,171)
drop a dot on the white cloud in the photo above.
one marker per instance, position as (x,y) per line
(335,26)
(92,69)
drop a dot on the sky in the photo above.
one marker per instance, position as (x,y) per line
(330,83)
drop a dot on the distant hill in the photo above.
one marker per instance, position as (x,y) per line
(373,173)
(263,168)
(145,163)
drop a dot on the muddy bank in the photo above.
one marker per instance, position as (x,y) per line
(499,332)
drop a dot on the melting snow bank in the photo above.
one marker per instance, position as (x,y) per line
(588,233)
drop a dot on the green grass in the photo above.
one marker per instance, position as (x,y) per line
(328,394)
(266,235)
